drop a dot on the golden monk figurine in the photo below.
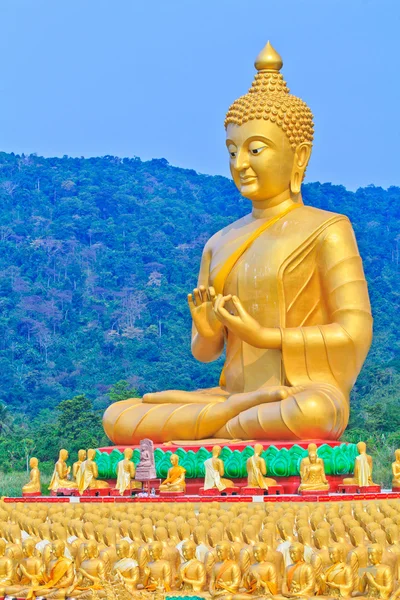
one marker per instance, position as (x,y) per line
(126,569)
(88,473)
(226,575)
(157,573)
(7,569)
(62,575)
(299,579)
(77,464)
(337,579)
(214,471)
(33,485)
(60,474)
(261,578)
(257,470)
(175,481)
(30,571)
(362,468)
(377,580)
(313,476)
(396,470)
(192,573)
(282,290)
(92,572)
(126,473)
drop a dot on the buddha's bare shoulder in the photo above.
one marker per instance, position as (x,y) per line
(315,215)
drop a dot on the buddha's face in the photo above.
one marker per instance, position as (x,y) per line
(174,460)
(82,455)
(261,159)
(313,458)
(374,555)
(296,553)
(188,550)
(334,554)
(222,551)
(259,553)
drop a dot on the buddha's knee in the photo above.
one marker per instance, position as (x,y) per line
(316,413)
(112,415)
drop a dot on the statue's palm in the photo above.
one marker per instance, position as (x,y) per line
(202,311)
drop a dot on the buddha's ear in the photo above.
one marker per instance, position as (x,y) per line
(301,157)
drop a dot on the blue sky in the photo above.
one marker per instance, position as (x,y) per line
(155,78)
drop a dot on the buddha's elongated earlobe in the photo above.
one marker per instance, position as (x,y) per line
(301,158)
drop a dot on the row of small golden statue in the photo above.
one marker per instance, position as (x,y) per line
(312,473)
(233,552)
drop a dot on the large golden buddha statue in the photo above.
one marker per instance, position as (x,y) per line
(282,290)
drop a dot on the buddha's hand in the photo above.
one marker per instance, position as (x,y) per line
(244,325)
(201,308)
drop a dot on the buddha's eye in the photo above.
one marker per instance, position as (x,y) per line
(256,150)
(232,153)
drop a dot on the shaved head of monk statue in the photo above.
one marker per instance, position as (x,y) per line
(282,291)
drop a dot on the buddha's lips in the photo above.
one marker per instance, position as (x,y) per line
(247,179)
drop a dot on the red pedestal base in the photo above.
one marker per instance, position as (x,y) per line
(31,494)
(314,492)
(273,490)
(232,491)
(64,492)
(115,493)
(369,489)
(171,495)
(344,488)
(100,493)
(396,489)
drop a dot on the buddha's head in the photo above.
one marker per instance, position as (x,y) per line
(58,548)
(91,454)
(321,538)
(375,552)
(397,455)
(189,550)
(296,552)
(123,549)
(174,460)
(216,451)
(362,447)
(313,457)
(260,551)
(28,547)
(223,551)
(336,553)
(156,550)
(63,454)
(269,134)
(258,449)
(91,549)
(81,455)
(128,453)
(33,463)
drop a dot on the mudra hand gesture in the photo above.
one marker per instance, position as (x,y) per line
(201,303)
(244,325)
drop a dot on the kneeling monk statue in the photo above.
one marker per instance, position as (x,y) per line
(282,290)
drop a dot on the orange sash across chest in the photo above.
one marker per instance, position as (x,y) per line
(291,571)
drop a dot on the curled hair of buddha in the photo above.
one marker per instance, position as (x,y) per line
(269,99)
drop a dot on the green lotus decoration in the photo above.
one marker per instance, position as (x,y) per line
(281,462)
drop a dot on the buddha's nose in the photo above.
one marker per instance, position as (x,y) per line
(242,161)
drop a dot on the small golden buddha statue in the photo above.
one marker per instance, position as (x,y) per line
(257,469)
(30,572)
(175,481)
(396,470)
(362,468)
(7,569)
(88,473)
(157,573)
(91,572)
(60,474)
(126,473)
(214,471)
(192,573)
(261,578)
(77,464)
(61,575)
(377,580)
(313,475)
(337,579)
(126,569)
(295,334)
(226,574)
(33,485)
(299,579)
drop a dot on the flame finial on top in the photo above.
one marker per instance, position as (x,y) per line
(268,59)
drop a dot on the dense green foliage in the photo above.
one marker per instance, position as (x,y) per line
(96,259)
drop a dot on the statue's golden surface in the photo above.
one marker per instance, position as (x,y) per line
(282,290)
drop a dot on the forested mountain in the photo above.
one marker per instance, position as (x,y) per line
(97,256)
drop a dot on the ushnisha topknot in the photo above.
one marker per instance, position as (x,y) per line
(269,99)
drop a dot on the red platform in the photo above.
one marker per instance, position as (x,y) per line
(369,489)
(96,493)
(229,491)
(273,490)
(31,494)
(314,493)
(65,492)
(171,495)
(115,493)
